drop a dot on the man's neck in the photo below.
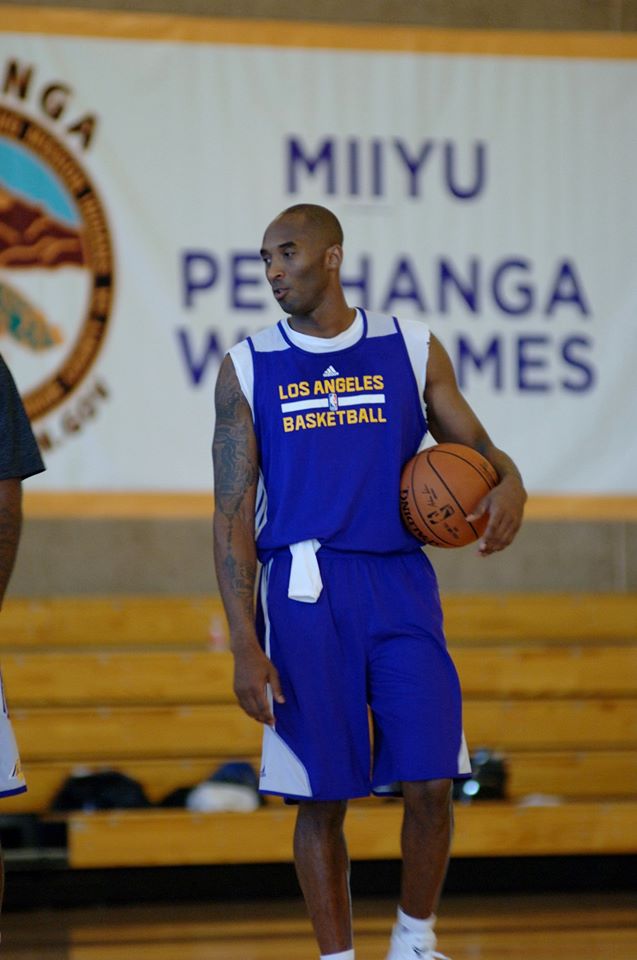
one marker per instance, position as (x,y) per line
(323,323)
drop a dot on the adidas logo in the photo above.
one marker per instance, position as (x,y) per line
(330,372)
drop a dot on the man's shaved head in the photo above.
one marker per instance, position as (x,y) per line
(320,221)
(302,252)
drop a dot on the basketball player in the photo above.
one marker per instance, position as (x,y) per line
(19,458)
(314,419)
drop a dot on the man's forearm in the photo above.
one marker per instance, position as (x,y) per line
(256,680)
(236,472)
(504,465)
(236,565)
(10,526)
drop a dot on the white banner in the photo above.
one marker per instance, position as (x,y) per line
(492,196)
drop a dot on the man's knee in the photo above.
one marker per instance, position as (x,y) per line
(428,798)
(322,816)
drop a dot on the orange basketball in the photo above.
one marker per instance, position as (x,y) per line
(439,487)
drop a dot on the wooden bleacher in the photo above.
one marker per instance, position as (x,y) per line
(132,684)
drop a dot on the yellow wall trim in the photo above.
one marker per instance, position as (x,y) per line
(282,33)
(140,504)
(109,505)
(579,507)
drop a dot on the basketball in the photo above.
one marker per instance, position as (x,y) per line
(439,488)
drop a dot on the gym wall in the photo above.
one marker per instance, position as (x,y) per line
(122,545)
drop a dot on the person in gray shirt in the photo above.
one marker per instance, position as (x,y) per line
(19,458)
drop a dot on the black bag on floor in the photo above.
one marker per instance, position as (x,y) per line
(105,790)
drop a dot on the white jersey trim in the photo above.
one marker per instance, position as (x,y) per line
(417,336)
(379,325)
(327,344)
(281,769)
(241,357)
(464,760)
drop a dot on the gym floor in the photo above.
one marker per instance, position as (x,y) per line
(535,926)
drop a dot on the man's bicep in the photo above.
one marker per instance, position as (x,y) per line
(234,447)
(449,415)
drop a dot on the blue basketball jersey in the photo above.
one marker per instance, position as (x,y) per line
(358,627)
(334,430)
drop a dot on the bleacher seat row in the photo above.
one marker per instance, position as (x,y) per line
(134,684)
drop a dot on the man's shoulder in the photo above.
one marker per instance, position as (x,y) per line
(380,324)
(264,341)
(385,324)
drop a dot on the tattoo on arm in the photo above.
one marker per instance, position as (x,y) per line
(241,578)
(235,470)
(236,475)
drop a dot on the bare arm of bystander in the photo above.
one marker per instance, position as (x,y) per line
(10,527)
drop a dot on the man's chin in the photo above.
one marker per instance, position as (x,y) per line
(286,305)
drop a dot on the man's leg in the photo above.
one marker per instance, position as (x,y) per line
(322,866)
(426,838)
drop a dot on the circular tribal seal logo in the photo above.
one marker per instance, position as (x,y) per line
(56,264)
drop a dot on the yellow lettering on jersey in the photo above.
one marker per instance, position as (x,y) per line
(333,418)
(294,390)
(340,385)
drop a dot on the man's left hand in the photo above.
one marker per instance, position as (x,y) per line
(505,506)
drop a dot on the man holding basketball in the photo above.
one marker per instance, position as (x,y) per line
(315,418)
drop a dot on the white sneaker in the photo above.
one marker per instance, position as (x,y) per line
(401,949)
(415,953)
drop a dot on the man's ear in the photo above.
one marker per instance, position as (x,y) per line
(334,257)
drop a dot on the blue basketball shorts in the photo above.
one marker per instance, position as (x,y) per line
(372,696)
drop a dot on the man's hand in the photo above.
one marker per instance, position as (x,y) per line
(505,506)
(253,672)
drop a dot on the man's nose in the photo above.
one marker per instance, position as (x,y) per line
(274,270)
